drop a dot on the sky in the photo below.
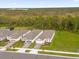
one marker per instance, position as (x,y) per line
(38,3)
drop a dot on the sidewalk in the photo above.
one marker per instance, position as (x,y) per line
(50,51)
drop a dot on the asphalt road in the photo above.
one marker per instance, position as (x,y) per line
(13,55)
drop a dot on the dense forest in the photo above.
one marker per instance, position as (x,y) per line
(41,18)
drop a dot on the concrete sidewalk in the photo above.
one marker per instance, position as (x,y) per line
(34,51)
(22,50)
(14,55)
(51,51)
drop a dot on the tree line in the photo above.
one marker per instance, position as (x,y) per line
(67,23)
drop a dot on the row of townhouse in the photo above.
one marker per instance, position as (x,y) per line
(38,36)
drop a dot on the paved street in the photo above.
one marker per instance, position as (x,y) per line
(9,55)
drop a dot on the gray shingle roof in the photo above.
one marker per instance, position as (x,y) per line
(32,35)
(18,33)
(47,34)
(4,33)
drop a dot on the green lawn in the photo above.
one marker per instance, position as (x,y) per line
(3,42)
(64,41)
(18,44)
(9,49)
(32,45)
(27,51)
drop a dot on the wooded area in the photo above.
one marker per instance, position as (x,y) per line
(59,19)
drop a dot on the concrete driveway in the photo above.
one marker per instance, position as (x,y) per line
(27,44)
(37,46)
(34,51)
(9,44)
(21,50)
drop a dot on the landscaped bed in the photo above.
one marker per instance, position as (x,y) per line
(18,44)
(3,42)
(64,41)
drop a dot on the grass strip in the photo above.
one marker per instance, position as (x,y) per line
(61,54)
(32,45)
(18,44)
(4,42)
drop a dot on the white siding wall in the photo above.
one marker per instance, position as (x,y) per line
(12,39)
(40,41)
(50,40)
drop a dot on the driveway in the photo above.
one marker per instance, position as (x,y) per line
(22,50)
(37,46)
(34,51)
(27,44)
(9,44)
